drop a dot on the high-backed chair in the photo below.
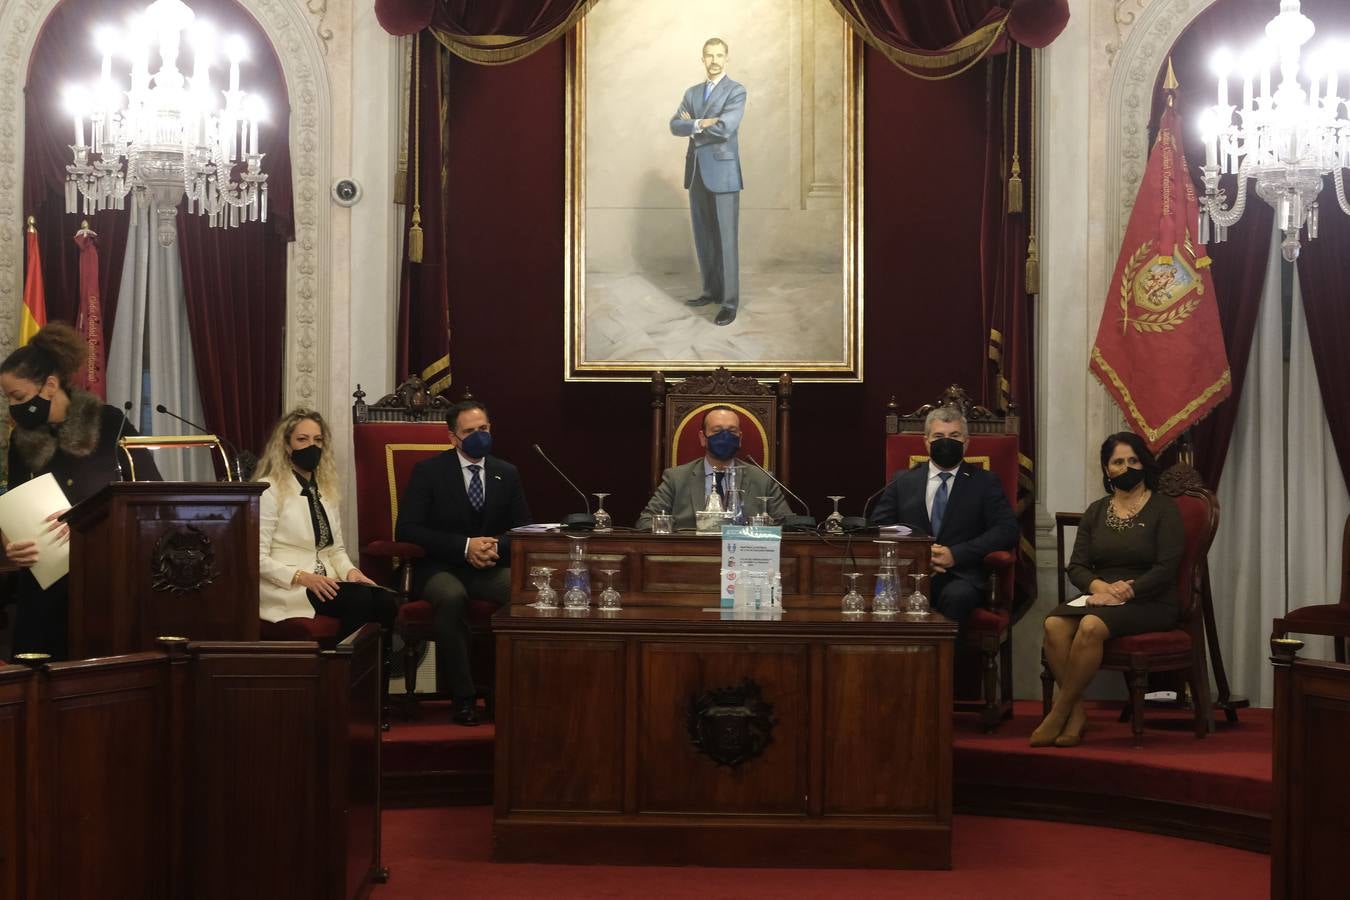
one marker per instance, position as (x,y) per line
(1331,619)
(988,631)
(677,415)
(1180,650)
(389,438)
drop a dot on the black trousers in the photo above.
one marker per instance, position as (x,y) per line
(956,598)
(355,605)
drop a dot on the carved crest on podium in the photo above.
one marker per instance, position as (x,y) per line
(732,725)
(183,561)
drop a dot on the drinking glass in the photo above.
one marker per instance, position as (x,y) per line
(834,522)
(663,523)
(603,521)
(762,517)
(854,602)
(577,587)
(576,551)
(609,597)
(888,554)
(884,601)
(547,597)
(917,604)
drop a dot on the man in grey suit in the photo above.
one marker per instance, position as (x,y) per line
(710,117)
(684,489)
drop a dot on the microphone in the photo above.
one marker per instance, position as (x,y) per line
(862,523)
(573,521)
(803,523)
(122,427)
(234,454)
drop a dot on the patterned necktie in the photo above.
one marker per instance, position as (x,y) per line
(476,489)
(940,503)
(717,477)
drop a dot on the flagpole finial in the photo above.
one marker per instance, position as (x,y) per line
(32,225)
(1170,83)
(84,224)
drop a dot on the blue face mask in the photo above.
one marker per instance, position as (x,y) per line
(723,444)
(477,445)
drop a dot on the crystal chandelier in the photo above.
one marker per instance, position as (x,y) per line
(1285,141)
(168,135)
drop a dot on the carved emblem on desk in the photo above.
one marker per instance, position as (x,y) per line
(183,561)
(731,725)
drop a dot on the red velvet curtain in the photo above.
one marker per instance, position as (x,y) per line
(48,132)
(492,33)
(235,279)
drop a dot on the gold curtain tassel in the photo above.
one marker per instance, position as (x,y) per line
(1015,191)
(1033,268)
(401,186)
(415,236)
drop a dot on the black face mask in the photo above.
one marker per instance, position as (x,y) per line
(31,413)
(947,452)
(307,458)
(1127,480)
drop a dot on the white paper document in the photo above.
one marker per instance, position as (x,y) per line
(23,517)
(899,530)
(1078,601)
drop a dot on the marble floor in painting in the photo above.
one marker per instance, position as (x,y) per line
(783,316)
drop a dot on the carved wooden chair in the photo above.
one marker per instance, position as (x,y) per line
(1181,650)
(985,655)
(389,438)
(1331,619)
(677,415)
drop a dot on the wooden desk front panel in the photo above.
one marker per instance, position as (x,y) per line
(592,733)
(684,569)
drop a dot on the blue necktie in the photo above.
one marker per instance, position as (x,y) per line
(717,477)
(707,90)
(476,489)
(939,503)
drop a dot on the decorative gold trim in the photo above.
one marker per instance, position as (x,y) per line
(741,410)
(499,49)
(963,53)
(393,483)
(982,461)
(575,366)
(1102,368)
(154,442)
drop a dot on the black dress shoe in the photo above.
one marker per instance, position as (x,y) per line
(725,317)
(465,713)
(699,301)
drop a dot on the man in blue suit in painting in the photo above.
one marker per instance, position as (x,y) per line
(710,117)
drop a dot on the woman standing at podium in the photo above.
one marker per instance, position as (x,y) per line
(73,435)
(304,566)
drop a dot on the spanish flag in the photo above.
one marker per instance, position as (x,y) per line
(34,314)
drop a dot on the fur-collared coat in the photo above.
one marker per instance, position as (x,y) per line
(81,452)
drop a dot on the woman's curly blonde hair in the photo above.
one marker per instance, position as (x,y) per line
(275,465)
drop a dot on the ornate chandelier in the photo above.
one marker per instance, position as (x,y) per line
(1285,141)
(168,135)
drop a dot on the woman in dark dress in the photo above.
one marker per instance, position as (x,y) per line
(73,435)
(1125,562)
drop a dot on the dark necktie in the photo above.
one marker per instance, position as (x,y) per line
(717,486)
(476,489)
(940,503)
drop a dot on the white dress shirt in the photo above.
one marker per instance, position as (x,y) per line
(934,482)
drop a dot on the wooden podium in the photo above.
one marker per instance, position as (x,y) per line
(163,558)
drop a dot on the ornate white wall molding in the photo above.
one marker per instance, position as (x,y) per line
(301,51)
(1130,100)
(1122,17)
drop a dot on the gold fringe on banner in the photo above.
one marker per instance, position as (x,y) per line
(415,230)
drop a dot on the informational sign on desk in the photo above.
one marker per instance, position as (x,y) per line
(748,550)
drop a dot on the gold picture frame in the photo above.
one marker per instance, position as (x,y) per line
(606,336)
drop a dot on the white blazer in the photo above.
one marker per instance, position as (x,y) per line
(286,544)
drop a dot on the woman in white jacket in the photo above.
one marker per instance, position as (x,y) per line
(304,566)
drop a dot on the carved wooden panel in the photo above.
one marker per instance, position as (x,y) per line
(676,776)
(566,709)
(885,711)
(15,778)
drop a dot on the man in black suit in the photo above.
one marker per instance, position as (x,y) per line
(459,506)
(961,505)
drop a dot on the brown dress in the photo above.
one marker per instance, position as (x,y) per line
(1148,550)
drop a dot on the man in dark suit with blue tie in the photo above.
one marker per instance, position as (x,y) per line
(459,506)
(710,117)
(962,506)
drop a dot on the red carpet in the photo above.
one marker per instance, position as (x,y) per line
(446,852)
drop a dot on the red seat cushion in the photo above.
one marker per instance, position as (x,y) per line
(988,621)
(480,613)
(1176,641)
(414,612)
(319,628)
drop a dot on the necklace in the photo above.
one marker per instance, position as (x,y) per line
(1117,522)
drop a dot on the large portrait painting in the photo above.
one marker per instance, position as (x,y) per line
(714,177)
